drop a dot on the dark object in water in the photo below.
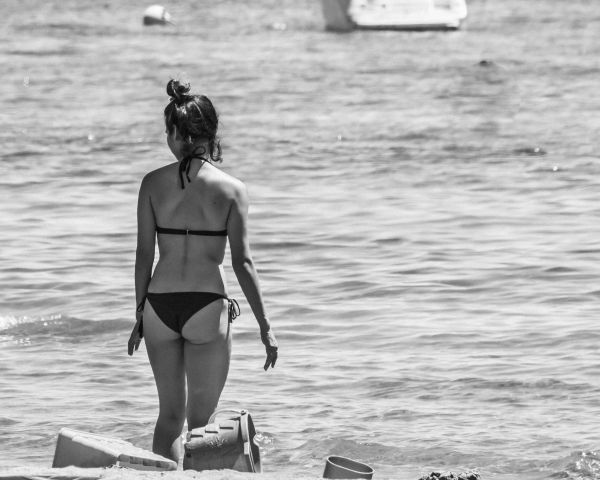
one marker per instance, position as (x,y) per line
(531,151)
(486,63)
(451,476)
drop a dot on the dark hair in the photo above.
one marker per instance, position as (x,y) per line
(194,116)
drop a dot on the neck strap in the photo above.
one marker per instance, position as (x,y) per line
(186,164)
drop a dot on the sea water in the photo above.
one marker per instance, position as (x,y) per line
(424,217)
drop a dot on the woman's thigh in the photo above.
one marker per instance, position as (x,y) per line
(206,367)
(166,353)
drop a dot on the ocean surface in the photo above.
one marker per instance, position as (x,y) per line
(425,217)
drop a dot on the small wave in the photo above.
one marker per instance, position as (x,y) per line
(7,422)
(580,251)
(546,384)
(530,151)
(460,338)
(23,155)
(582,465)
(363,449)
(9,322)
(50,29)
(44,53)
(560,269)
(57,326)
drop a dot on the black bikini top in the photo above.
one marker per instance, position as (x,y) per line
(184,167)
(185,231)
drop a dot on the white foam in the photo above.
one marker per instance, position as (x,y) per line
(10,321)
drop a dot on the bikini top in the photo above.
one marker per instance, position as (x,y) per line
(184,167)
(185,231)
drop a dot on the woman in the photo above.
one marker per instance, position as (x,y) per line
(192,207)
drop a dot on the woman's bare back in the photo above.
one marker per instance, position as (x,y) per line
(191,262)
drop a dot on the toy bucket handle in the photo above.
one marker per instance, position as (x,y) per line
(226,410)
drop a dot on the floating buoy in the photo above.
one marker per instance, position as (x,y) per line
(157,15)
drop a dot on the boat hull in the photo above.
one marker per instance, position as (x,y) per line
(345,15)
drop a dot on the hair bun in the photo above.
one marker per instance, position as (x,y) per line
(177,90)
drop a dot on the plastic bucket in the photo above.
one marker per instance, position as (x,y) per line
(223,444)
(341,467)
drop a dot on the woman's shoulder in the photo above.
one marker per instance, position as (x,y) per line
(230,185)
(158,174)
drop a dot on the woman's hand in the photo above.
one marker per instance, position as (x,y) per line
(270,343)
(136,334)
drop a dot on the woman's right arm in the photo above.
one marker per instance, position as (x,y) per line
(245,271)
(146,237)
(144,259)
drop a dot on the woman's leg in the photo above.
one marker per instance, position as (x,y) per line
(165,351)
(207,351)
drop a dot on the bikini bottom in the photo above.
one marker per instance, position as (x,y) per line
(175,308)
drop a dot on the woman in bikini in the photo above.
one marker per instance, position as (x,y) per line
(193,208)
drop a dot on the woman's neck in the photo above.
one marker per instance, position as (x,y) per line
(197,150)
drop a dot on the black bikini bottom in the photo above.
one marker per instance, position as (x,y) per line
(175,308)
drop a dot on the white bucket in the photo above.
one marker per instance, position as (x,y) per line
(223,444)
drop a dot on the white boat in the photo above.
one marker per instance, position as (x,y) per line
(344,15)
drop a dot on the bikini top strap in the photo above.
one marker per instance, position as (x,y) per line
(186,164)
